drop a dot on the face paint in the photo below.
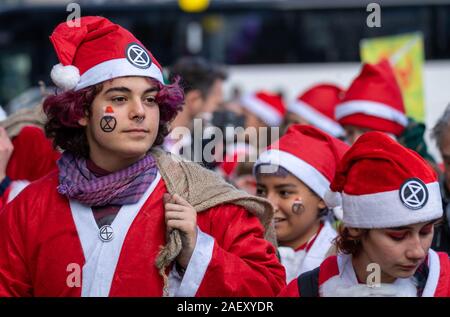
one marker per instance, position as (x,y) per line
(108,121)
(297,206)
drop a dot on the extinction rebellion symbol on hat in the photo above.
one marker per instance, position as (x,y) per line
(414,193)
(138,56)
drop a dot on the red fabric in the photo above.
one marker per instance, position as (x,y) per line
(90,44)
(323,98)
(376,83)
(4,197)
(291,290)
(313,146)
(33,155)
(328,269)
(38,239)
(443,287)
(373,123)
(273,101)
(377,163)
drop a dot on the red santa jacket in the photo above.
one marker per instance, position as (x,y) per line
(325,279)
(32,158)
(50,246)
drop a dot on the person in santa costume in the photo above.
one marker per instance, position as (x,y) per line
(316,107)
(373,102)
(391,201)
(294,174)
(21,135)
(122,217)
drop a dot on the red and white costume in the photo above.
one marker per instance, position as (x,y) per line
(42,241)
(33,157)
(311,155)
(308,256)
(381,184)
(337,278)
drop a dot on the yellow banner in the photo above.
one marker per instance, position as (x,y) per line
(406,54)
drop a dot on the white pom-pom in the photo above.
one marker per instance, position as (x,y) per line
(338,212)
(332,199)
(65,77)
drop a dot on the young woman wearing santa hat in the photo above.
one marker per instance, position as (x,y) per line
(294,174)
(391,200)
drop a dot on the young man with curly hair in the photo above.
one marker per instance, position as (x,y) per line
(132,219)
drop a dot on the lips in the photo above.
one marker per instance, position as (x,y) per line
(136,130)
(278,220)
(408,267)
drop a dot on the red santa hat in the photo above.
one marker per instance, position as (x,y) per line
(96,51)
(374,101)
(266,106)
(317,106)
(309,154)
(235,153)
(385,185)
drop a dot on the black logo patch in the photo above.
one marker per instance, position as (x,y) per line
(138,56)
(413,193)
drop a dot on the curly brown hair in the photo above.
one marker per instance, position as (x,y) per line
(347,243)
(63,111)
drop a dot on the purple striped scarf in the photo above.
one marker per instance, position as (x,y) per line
(123,187)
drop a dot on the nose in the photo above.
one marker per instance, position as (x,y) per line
(415,251)
(137,109)
(273,200)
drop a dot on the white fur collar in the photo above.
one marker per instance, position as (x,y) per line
(338,287)
(346,284)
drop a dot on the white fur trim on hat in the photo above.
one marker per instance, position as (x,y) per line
(371,108)
(386,210)
(65,77)
(263,111)
(332,199)
(299,168)
(316,118)
(114,68)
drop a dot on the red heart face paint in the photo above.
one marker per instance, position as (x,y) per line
(108,122)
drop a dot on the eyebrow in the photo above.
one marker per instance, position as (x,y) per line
(409,228)
(128,90)
(285,185)
(118,89)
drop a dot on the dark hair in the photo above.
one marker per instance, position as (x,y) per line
(63,111)
(348,244)
(197,73)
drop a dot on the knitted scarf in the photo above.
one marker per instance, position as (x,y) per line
(123,187)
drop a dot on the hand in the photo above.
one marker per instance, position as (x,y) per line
(6,149)
(179,214)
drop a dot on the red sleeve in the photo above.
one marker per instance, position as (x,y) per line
(291,290)
(243,263)
(31,143)
(14,277)
(4,197)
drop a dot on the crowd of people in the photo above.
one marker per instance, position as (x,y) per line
(103,194)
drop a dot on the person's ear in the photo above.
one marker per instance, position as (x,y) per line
(84,120)
(321,204)
(354,232)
